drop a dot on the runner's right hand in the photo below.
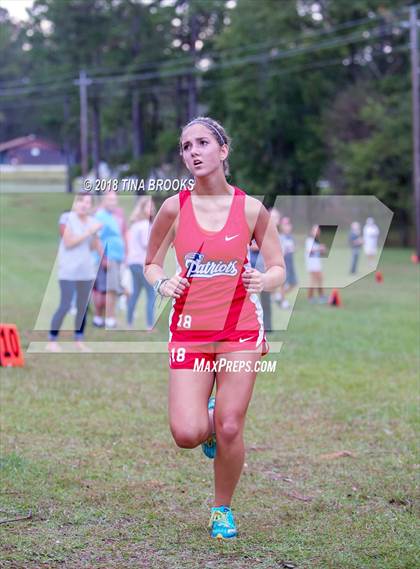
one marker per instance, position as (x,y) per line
(174,287)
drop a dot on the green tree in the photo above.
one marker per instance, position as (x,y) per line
(14,64)
(276,106)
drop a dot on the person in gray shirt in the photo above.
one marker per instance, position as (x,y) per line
(76,268)
(355,243)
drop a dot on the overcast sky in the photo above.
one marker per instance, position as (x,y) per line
(16,8)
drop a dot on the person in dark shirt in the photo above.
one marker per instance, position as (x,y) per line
(257,262)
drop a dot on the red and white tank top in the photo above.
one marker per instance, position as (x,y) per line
(213,262)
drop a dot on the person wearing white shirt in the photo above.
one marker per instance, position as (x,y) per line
(313,251)
(370,240)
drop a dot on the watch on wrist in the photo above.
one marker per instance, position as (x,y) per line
(158,284)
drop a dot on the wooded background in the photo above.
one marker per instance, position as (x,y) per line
(315,95)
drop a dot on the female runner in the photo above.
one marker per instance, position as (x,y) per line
(216,332)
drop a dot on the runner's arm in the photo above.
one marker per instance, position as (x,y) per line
(162,234)
(265,233)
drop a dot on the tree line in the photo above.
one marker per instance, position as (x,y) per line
(315,94)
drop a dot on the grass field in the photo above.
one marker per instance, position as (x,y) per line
(86,446)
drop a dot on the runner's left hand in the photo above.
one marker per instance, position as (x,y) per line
(253,280)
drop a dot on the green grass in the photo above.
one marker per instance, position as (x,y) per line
(86,445)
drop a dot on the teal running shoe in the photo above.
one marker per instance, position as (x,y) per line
(222,525)
(209,446)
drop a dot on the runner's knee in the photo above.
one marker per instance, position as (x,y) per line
(228,428)
(188,437)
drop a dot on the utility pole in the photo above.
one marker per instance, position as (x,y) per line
(69,187)
(83,83)
(415,69)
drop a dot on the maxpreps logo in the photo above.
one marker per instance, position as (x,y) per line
(196,267)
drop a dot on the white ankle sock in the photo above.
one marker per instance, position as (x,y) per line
(110,322)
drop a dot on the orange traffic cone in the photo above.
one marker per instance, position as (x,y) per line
(335,299)
(379,277)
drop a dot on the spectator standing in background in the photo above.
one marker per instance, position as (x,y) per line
(257,262)
(62,222)
(313,251)
(355,242)
(76,269)
(370,240)
(108,282)
(276,216)
(288,246)
(137,240)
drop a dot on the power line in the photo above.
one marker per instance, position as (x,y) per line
(28,104)
(307,67)
(260,45)
(249,48)
(25,82)
(190,59)
(209,82)
(355,37)
(259,58)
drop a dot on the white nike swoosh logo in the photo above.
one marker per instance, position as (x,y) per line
(244,339)
(230,238)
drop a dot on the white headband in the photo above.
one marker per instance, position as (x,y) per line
(211,127)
